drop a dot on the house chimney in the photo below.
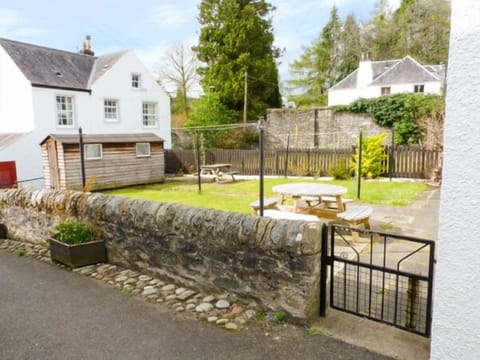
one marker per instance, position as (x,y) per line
(87,47)
(365,71)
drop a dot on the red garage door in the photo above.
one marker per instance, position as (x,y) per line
(8,174)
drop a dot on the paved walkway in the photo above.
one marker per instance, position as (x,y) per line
(47,312)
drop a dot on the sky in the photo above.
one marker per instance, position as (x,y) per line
(151,27)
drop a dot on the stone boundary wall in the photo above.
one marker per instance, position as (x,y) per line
(273,262)
(318,128)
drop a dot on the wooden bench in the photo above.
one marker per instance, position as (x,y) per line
(268,203)
(228,173)
(286,215)
(329,201)
(355,216)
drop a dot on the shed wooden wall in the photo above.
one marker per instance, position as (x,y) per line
(46,164)
(119,166)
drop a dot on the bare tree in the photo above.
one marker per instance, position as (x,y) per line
(179,70)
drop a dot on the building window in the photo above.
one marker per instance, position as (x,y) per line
(385,90)
(93,151)
(136,80)
(143,149)
(65,111)
(418,88)
(111,111)
(149,114)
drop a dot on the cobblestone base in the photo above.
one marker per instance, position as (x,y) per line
(225,311)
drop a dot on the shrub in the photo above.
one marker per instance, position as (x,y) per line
(373,156)
(340,172)
(73,232)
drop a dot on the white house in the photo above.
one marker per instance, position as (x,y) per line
(377,78)
(45,91)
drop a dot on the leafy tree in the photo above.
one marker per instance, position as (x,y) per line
(317,68)
(381,33)
(424,30)
(209,111)
(180,70)
(419,28)
(350,48)
(236,38)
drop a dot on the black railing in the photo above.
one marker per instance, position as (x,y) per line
(386,277)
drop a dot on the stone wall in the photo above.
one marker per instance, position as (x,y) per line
(318,128)
(273,262)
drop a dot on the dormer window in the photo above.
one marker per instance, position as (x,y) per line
(136,81)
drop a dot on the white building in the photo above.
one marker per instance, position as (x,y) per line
(45,91)
(456,314)
(377,78)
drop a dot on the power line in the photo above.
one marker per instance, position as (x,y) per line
(216,127)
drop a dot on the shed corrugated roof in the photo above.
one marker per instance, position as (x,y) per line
(105,138)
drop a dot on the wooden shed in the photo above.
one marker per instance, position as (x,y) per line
(110,160)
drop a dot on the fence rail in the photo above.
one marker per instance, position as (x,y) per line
(408,162)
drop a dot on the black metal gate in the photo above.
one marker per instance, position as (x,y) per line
(384,277)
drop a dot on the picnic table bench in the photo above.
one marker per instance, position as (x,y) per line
(355,216)
(268,203)
(218,172)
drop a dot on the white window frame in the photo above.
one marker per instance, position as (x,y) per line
(149,117)
(140,153)
(63,109)
(112,104)
(418,87)
(87,157)
(385,90)
(136,80)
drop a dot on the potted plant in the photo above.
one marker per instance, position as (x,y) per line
(73,243)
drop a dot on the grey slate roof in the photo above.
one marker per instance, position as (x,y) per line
(46,67)
(104,63)
(399,71)
(105,138)
(9,138)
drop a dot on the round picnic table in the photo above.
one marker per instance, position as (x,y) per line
(314,190)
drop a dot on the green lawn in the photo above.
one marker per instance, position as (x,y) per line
(237,196)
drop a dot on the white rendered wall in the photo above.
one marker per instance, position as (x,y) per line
(346,96)
(116,83)
(456,318)
(16,108)
(88,113)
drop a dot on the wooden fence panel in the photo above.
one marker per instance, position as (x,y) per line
(408,162)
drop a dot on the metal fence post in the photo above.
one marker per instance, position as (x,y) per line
(323,271)
(82,156)
(261,160)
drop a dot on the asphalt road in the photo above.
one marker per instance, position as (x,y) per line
(47,312)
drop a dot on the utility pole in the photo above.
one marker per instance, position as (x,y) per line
(245,100)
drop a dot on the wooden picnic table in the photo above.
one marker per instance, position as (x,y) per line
(318,197)
(217,171)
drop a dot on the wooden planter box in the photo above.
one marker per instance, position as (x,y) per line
(79,254)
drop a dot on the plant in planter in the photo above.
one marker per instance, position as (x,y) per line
(73,243)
